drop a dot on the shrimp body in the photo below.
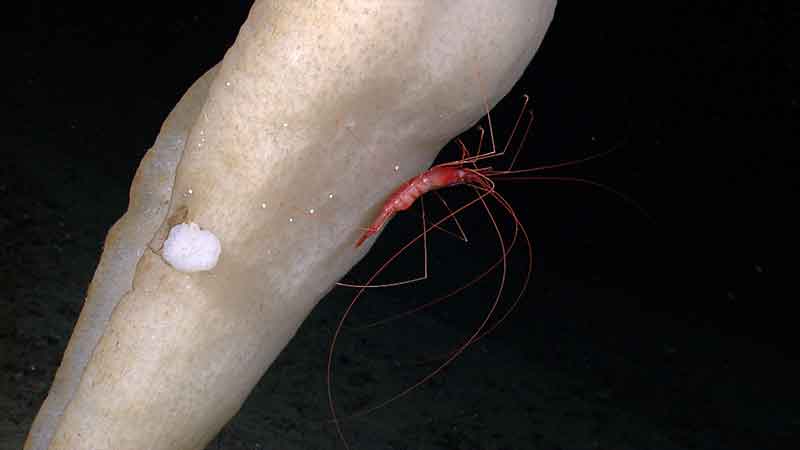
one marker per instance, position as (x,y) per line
(406,194)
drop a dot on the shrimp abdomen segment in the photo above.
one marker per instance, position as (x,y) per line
(407,193)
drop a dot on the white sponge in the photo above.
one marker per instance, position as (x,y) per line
(190,249)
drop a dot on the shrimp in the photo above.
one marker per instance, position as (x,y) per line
(406,194)
(449,174)
(482,179)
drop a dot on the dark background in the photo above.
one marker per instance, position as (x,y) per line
(678,301)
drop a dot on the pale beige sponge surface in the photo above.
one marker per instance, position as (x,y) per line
(281,154)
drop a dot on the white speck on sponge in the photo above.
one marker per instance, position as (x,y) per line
(190,249)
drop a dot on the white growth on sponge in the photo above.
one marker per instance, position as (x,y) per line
(190,249)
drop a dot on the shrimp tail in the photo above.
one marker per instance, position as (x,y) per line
(364,237)
(386,213)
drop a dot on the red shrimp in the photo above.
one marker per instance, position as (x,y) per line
(462,171)
(448,174)
(406,194)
